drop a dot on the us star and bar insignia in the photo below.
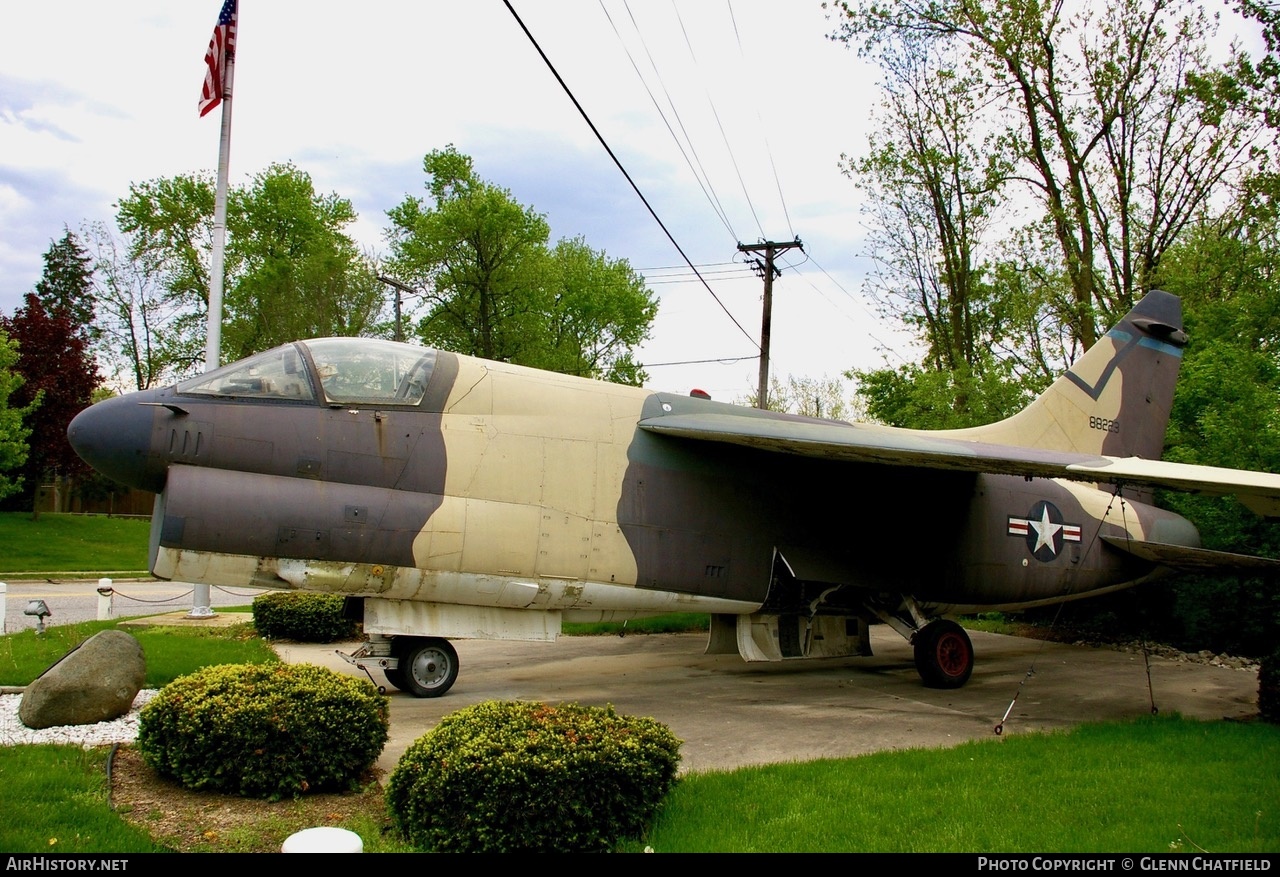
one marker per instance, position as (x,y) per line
(1044,530)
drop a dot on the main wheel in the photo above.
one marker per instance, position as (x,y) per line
(428,666)
(395,677)
(944,654)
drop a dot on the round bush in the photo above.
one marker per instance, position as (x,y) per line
(265,730)
(303,616)
(507,776)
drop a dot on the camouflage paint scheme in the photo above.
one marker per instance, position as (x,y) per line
(486,499)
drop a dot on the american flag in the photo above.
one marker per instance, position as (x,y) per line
(221,47)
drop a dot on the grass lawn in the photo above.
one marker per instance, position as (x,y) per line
(1155,785)
(72,543)
(1158,785)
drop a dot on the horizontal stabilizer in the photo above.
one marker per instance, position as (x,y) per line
(1185,559)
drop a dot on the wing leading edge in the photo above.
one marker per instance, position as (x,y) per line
(891,446)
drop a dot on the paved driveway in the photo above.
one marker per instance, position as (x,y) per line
(730,713)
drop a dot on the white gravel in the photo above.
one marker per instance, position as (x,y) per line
(121,730)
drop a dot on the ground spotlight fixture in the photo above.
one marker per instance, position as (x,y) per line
(40,610)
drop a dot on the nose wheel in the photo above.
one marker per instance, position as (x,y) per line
(944,654)
(427,666)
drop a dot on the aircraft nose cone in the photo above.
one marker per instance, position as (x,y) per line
(114,437)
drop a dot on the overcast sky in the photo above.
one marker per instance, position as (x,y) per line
(95,96)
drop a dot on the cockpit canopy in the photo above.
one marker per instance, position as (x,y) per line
(337,371)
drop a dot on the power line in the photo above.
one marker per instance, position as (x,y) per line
(764,131)
(640,194)
(699,173)
(721,361)
(723,136)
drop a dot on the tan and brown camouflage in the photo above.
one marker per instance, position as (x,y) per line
(453,497)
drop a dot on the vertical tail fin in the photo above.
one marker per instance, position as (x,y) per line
(1114,400)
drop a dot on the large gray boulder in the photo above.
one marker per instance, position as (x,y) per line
(94,682)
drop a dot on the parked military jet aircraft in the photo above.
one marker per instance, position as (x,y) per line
(453,497)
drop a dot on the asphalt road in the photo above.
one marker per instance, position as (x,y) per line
(72,601)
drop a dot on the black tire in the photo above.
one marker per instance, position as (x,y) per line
(428,666)
(395,678)
(944,654)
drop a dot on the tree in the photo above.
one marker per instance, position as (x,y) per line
(135,318)
(494,288)
(933,186)
(298,273)
(59,376)
(478,253)
(1115,122)
(599,311)
(917,397)
(291,270)
(67,281)
(13,432)
(808,397)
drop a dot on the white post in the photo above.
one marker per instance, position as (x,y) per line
(106,596)
(326,839)
(4,598)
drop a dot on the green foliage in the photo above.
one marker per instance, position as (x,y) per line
(291,271)
(525,777)
(495,289)
(1000,223)
(1269,688)
(300,275)
(59,375)
(1226,412)
(919,398)
(13,432)
(302,616)
(265,731)
(674,622)
(67,281)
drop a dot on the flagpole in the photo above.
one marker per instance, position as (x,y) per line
(213,338)
(200,594)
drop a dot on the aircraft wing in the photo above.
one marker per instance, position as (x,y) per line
(1256,490)
(1188,559)
(891,446)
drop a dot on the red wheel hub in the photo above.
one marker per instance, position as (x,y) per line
(953,654)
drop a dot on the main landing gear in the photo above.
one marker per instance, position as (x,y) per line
(424,666)
(944,654)
(943,651)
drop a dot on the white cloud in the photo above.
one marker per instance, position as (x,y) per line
(356,97)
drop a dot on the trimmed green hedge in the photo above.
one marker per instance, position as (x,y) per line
(265,730)
(303,616)
(505,776)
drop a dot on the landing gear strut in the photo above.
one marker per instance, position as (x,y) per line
(944,654)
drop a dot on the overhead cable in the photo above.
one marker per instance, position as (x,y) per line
(640,194)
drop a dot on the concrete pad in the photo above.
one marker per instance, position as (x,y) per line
(185,619)
(730,713)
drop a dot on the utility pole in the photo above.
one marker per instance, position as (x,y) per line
(399,287)
(767,270)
